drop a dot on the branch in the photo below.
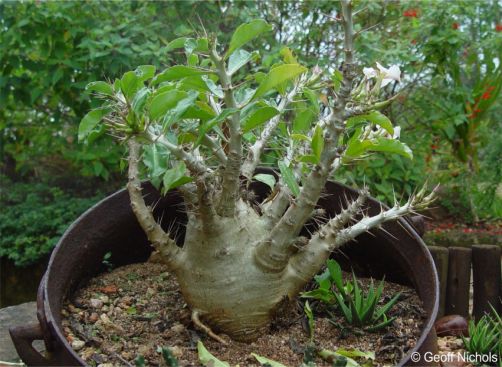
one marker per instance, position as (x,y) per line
(397,211)
(201,175)
(307,262)
(276,206)
(273,254)
(230,185)
(194,165)
(216,148)
(332,235)
(160,240)
(256,150)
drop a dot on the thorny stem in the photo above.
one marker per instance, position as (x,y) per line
(231,171)
(256,150)
(160,240)
(273,254)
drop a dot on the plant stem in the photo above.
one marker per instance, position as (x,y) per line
(160,240)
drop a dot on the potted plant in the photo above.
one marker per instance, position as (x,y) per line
(203,128)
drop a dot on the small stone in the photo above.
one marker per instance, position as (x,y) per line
(176,351)
(150,291)
(77,344)
(73,309)
(104,317)
(104,308)
(178,328)
(144,350)
(452,325)
(126,355)
(104,298)
(109,289)
(96,303)
(93,317)
(105,365)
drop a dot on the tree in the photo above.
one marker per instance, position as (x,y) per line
(205,127)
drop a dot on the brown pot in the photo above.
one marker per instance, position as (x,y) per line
(110,226)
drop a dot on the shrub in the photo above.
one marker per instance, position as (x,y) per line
(33,217)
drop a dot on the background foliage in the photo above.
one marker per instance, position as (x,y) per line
(448,104)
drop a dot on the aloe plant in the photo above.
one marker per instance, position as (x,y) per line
(359,308)
(203,127)
(485,336)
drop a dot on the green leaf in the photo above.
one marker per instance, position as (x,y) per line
(288,56)
(89,122)
(335,272)
(308,158)
(338,359)
(391,146)
(289,178)
(176,43)
(300,137)
(215,89)
(145,72)
(100,87)
(206,126)
(207,359)
(303,120)
(337,79)
(258,117)
(374,117)
(139,100)
(175,177)
(317,144)
(165,101)
(155,158)
(179,72)
(238,59)
(356,353)
(266,361)
(266,179)
(247,32)
(277,76)
(174,114)
(130,83)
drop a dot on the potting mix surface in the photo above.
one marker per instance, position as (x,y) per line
(135,309)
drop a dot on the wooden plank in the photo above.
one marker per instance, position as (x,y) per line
(459,276)
(440,256)
(486,271)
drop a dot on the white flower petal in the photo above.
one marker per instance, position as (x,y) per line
(397,132)
(394,73)
(369,73)
(382,69)
(386,81)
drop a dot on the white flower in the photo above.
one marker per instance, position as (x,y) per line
(397,132)
(369,73)
(390,74)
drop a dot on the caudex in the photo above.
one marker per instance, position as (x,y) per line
(204,127)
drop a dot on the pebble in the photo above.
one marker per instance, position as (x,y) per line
(77,344)
(104,298)
(105,365)
(96,303)
(93,317)
(454,325)
(176,351)
(178,328)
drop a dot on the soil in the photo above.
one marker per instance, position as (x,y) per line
(135,309)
